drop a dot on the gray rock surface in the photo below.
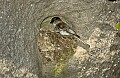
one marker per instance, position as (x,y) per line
(93,20)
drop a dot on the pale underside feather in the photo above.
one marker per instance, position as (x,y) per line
(64,33)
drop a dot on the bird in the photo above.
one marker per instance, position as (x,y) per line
(62,27)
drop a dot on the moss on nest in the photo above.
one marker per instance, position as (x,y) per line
(56,49)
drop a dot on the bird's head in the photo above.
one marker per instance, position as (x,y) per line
(55,20)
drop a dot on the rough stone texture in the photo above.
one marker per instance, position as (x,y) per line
(93,20)
(18,53)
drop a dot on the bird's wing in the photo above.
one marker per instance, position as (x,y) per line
(69,30)
(66,28)
(72,32)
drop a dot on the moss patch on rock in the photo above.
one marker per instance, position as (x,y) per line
(56,49)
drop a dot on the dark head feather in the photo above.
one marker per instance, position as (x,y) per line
(54,19)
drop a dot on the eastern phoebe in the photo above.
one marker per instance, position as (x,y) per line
(64,29)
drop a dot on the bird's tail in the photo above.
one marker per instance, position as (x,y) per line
(83,44)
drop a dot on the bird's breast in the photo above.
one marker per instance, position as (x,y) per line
(64,33)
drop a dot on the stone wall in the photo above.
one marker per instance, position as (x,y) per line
(93,20)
